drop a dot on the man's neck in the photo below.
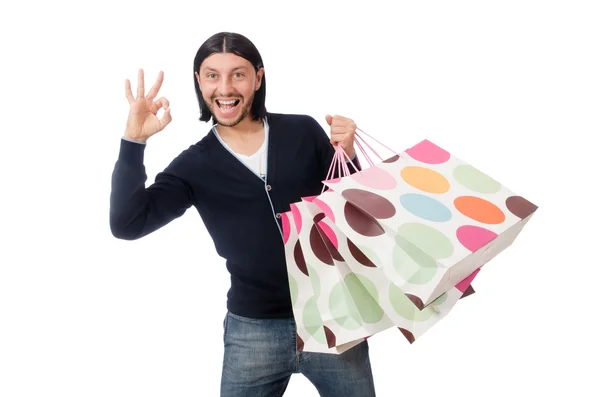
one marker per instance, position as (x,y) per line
(245,129)
(245,138)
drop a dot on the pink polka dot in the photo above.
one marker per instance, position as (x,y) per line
(297,217)
(325,208)
(329,233)
(309,198)
(429,153)
(285,222)
(463,285)
(375,178)
(474,237)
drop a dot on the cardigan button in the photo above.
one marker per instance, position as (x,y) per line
(278,215)
(268,188)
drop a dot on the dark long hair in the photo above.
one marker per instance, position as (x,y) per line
(235,43)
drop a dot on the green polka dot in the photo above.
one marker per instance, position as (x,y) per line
(293,288)
(430,240)
(411,263)
(315,281)
(343,311)
(365,296)
(405,308)
(475,180)
(312,321)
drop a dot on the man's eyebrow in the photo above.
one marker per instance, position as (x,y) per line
(209,69)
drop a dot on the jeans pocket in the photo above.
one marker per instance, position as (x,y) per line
(250,321)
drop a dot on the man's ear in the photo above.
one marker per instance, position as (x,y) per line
(197,78)
(259,77)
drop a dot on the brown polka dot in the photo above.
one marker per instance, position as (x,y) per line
(375,205)
(408,335)
(329,245)
(299,258)
(359,255)
(416,301)
(392,159)
(299,343)
(360,222)
(320,216)
(469,291)
(520,206)
(330,336)
(318,246)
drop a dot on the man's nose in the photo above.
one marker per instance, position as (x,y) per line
(226,86)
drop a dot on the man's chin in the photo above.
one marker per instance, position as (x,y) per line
(231,121)
(228,122)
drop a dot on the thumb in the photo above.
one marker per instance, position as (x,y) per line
(165,119)
(329,119)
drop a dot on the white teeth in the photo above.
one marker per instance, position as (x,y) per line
(227,102)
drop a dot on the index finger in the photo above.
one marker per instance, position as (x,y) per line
(128,93)
(154,90)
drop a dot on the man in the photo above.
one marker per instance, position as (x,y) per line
(240,177)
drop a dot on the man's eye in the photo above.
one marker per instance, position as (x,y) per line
(238,75)
(211,75)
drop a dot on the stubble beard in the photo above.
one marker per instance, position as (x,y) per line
(243,114)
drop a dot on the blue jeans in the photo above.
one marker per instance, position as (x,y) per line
(261,356)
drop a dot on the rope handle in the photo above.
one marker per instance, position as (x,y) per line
(341,159)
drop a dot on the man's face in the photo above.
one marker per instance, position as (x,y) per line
(228,83)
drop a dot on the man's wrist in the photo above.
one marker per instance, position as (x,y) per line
(351,155)
(134,140)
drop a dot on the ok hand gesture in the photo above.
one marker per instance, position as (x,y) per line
(142,121)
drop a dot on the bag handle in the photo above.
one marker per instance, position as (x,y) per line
(358,137)
(341,159)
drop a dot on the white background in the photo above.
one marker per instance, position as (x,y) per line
(512,87)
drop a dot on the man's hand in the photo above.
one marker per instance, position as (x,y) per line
(342,133)
(142,122)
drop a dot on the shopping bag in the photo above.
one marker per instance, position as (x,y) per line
(380,302)
(447,217)
(311,335)
(347,310)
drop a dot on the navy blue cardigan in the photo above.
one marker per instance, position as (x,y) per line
(240,210)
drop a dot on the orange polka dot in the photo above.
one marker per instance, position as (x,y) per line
(479,209)
(425,179)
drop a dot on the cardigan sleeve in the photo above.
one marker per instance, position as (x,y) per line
(136,211)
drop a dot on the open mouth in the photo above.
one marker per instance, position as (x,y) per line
(228,105)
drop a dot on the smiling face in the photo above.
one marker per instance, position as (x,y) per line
(228,83)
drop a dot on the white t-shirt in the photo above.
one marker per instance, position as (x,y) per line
(257,162)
